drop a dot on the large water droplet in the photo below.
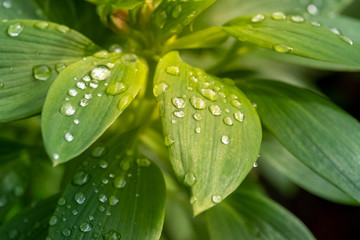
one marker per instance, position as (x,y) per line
(84,102)
(15,29)
(80,178)
(80,198)
(278,16)
(173,70)
(335,31)
(67,109)
(198,103)
(69,137)
(297,19)
(53,220)
(189,179)
(239,116)
(228,121)
(93,85)
(225,140)
(159,89)
(258,18)
(112,235)
(255,164)
(119,182)
(208,93)
(125,102)
(312,9)
(215,110)
(100,73)
(41,25)
(282,48)
(85,227)
(116,88)
(179,114)
(99,151)
(178,102)
(42,72)
(216,198)
(113,200)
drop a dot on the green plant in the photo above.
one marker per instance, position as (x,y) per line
(113,147)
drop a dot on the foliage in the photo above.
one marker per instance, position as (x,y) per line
(136,94)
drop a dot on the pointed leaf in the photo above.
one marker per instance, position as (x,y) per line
(86,99)
(25,9)
(293,34)
(246,215)
(113,194)
(317,132)
(29,61)
(211,128)
(30,224)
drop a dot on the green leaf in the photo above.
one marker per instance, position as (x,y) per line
(294,35)
(29,63)
(171,16)
(287,164)
(118,4)
(313,129)
(114,193)
(212,130)
(25,9)
(246,215)
(31,224)
(86,99)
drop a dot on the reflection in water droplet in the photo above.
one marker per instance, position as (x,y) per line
(159,89)
(119,182)
(209,94)
(81,85)
(66,232)
(178,102)
(84,102)
(278,16)
(173,70)
(72,92)
(258,18)
(80,198)
(235,103)
(228,121)
(225,140)
(61,201)
(102,198)
(282,48)
(198,103)
(255,164)
(59,67)
(198,130)
(69,137)
(103,164)
(113,200)
(312,9)
(101,54)
(42,72)
(86,78)
(85,227)
(67,109)
(335,31)
(100,73)
(93,85)
(15,29)
(239,116)
(216,198)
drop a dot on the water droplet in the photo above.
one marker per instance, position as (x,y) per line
(91,217)
(80,198)
(160,19)
(69,137)
(6,4)
(198,130)
(101,54)
(129,58)
(119,182)
(102,198)
(99,151)
(67,109)
(255,164)
(316,24)
(258,18)
(62,28)
(179,114)
(209,94)
(101,208)
(282,48)
(239,116)
(189,179)
(15,29)
(86,78)
(112,235)
(335,31)
(312,9)
(72,92)
(59,67)
(193,199)
(173,70)
(93,85)
(42,72)
(175,13)
(159,89)
(84,102)
(346,39)
(85,227)
(110,65)
(41,25)
(197,116)
(66,232)
(100,73)
(297,19)
(2,85)
(88,96)
(236,103)
(103,164)
(55,156)
(168,141)
(143,162)
(113,200)
(53,220)
(178,102)
(225,140)
(198,103)
(215,110)
(278,16)
(61,201)
(116,88)
(81,85)
(76,121)
(80,178)
(228,121)
(74,212)
(216,198)
(105,181)
(125,102)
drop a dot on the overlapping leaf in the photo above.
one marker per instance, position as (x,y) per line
(246,215)
(86,99)
(314,130)
(114,194)
(292,34)
(31,55)
(212,130)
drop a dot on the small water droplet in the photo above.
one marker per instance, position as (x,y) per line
(103,164)
(216,198)
(312,9)
(239,116)
(110,65)
(130,58)
(197,116)
(297,19)
(41,25)
(88,96)
(113,200)
(189,179)
(193,199)
(316,24)
(258,18)
(278,16)
(119,182)
(112,235)
(160,19)
(72,92)
(173,70)
(198,103)
(98,151)
(59,67)
(101,208)
(116,88)
(179,114)
(2,85)
(84,102)
(66,232)
(143,162)
(69,137)
(105,181)
(225,140)
(15,29)
(102,198)
(178,102)
(282,48)
(335,31)
(159,89)
(175,13)
(81,85)
(74,212)
(55,156)
(236,103)
(228,121)
(208,93)
(100,73)
(125,102)
(80,178)
(6,4)
(67,109)
(215,110)
(80,198)
(346,39)
(198,130)
(101,54)
(85,227)
(86,78)
(42,72)
(93,85)
(76,121)
(255,164)
(168,141)
(62,28)
(61,201)
(53,220)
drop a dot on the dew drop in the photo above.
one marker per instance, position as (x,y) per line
(208,93)
(258,18)
(66,232)
(255,164)
(85,227)
(55,156)
(316,24)
(119,182)
(116,88)
(173,70)
(74,212)
(105,181)
(98,151)
(189,179)
(297,19)
(197,116)
(160,89)
(15,29)
(6,4)
(125,102)
(76,121)
(72,92)
(62,29)
(101,54)
(236,103)
(103,164)
(335,31)
(228,121)
(216,198)
(346,39)
(282,48)
(80,178)
(143,162)
(175,13)
(41,25)
(102,198)
(69,137)
(101,208)
(179,114)
(112,235)
(61,201)
(113,200)
(88,96)
(100,73)
(81,85)
(80,198)
(67,109)
(312,9)
(42,72)
(215,110)
(198,130)
(178,102)
(168,141)
(198,103)
(225,140)
(278,16)
(93,85)
(129,58)
(59,67)
(193,199)
(53,220)
(239,116)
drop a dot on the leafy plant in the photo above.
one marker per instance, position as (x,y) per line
(113,145)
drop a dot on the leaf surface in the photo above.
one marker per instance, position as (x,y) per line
(317,132)
(212,130)
(292,34)
(25,9)
(30,61)
(86,99)
(114,194)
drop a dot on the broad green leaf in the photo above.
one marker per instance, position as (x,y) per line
(212,130)
(86,99)
(246,215)
(171,16)
(287,164)
(292,34)
(318,133)
(30,224)
(15,9)
(118,4)
(114,194)
(31,55)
